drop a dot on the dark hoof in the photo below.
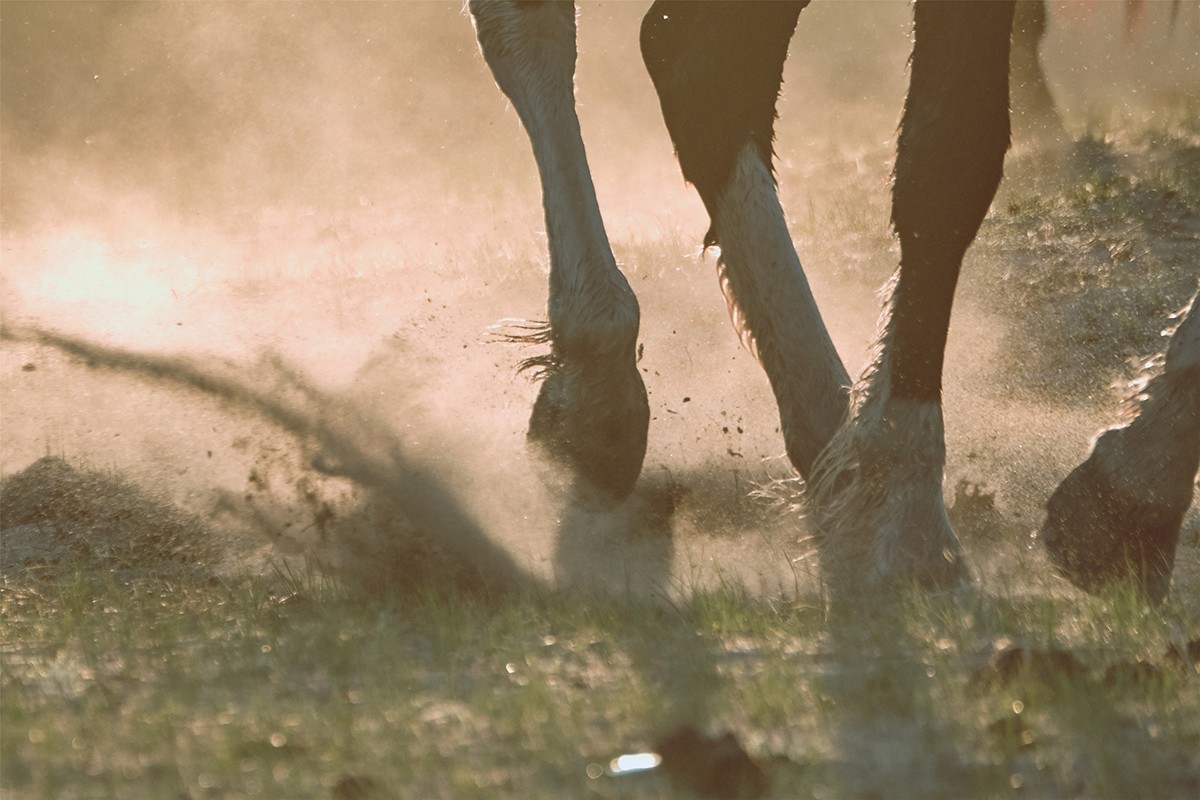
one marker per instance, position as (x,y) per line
(1098,537)
(588,434)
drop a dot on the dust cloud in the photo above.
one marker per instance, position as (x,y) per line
(252,253)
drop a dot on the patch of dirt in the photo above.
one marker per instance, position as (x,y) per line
(1088,253)
(52,513)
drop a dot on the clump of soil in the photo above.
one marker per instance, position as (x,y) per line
(53,513)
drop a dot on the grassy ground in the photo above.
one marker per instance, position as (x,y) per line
(277,687)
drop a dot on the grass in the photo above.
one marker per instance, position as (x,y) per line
(1092,249)
(169,687)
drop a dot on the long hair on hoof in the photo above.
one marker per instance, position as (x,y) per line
(876,491)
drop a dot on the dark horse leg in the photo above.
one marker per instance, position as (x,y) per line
(717,68)
(877,493)
(1117,516)
(590,418)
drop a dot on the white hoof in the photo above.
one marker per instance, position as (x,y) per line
(876,496)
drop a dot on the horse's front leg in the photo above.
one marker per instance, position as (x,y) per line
(877,491)
(591,416)
(717,68)
(1116,517)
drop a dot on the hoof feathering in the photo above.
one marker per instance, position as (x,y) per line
(877,501)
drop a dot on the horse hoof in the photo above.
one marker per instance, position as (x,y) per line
(1098,536)
(877,499)
(587,434)
(906,542)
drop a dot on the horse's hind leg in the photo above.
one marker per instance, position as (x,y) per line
(877,493)
(591,416)
(1116,517)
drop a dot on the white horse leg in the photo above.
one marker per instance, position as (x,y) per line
(1116,517)
(591,415)
(877,490)
(876,494)
(717,68)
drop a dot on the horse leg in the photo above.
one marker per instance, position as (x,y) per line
(1035,118)
(717,68)
(591,415)
(877,494)
(1116,517)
